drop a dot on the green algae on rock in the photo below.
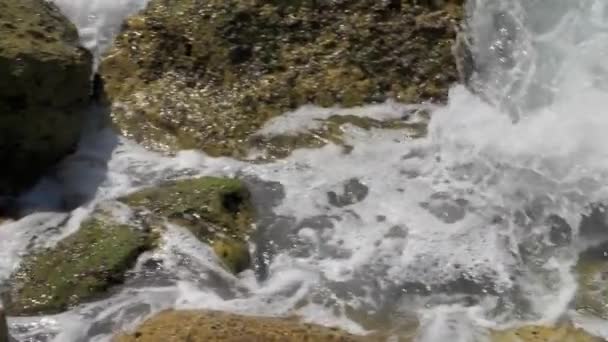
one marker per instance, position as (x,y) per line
(45,85)
(213,326)
(216,210)
(78,268)
(208,74)
(562,333)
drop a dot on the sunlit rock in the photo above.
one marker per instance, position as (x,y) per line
(45,86)
(204,326)
(79,268)
(207,75)
(216,210)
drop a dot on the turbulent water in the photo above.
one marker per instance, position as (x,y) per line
(475,226)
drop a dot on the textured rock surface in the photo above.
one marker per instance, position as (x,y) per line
(209,326)
(207,74)
(45,85)
(212,326)
(78,268)
(216,210)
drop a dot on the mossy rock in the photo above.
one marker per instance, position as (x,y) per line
(45,77)
(79,268)
(208,74)
(213,326)
(592,271)
(216,210)
(563,333)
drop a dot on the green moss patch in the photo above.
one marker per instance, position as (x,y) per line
(78,268)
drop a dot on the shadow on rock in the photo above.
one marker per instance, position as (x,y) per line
(4,336)
(75,180)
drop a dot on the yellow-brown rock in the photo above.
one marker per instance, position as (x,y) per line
(206,75)
(213,326)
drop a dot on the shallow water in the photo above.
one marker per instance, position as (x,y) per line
(455,228)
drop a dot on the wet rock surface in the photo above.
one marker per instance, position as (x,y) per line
(216,210)
(592,271)
(79,268)
(353,192)
(268,147)
(44,89)
(211,80)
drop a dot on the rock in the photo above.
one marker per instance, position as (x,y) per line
(194,326)
(207,75)
(207,326)
(563,333)
(353,192)
(45,86)
(216,210)
(276,146)
(592,270)
(4,335)
(78,268)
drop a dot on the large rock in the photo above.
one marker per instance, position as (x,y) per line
(216,210)
(207,74)
(211,326)
(78,268)
(45,85)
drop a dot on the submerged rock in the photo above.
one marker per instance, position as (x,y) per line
(353,192)
(592,270)
(216,210)
(207,326)
(273,146)
(564,333)
(78,268)
(45,77)
(208,74)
